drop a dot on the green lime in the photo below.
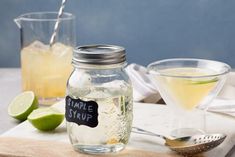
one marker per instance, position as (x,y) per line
(205,81)
(22,105)
(46,119)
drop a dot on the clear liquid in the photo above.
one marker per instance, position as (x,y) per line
(114,121)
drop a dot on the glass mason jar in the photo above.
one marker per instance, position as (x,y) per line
(99,103)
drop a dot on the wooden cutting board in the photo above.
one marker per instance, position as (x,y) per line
(22,147)
(151,117)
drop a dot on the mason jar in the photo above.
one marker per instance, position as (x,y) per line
(99,103)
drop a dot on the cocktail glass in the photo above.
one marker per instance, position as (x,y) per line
(45,69)
(185,84)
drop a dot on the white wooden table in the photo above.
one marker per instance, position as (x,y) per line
(152,117)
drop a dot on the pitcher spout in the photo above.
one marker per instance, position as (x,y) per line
(18,21)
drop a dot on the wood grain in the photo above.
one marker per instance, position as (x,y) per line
(19,147)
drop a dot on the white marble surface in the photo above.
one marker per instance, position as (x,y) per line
(10,86)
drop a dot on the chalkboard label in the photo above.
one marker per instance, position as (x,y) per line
(81,112)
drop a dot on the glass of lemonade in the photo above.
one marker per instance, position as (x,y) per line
(45,68)
(185,84)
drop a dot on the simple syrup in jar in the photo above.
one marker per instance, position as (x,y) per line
(99,104)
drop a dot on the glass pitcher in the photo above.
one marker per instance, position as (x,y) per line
(45,69)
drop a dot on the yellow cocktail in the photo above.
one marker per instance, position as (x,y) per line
(185,84)
(45,69)
(187,92)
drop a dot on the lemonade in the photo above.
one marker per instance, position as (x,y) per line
(46,69)
(186,91)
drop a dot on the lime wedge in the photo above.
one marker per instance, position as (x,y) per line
(205,81)
(22,105)
(46,119)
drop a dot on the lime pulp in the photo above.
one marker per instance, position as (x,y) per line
(46,119)
(22,105)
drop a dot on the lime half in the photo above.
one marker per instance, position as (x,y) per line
(22,105)
(46,119)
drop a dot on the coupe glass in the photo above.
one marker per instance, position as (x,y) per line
(185,84)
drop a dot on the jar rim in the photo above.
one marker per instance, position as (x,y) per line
(100,67)
(45,16)
(99,54)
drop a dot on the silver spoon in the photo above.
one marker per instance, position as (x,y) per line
(189,145)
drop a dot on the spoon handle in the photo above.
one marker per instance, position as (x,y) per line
(145,132)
